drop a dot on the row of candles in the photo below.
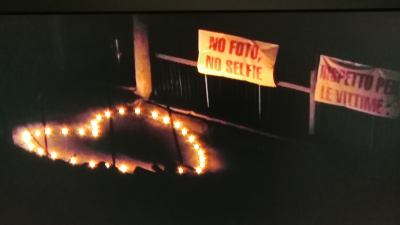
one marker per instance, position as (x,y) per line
(93,129)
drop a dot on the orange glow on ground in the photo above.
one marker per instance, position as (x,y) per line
(195,155)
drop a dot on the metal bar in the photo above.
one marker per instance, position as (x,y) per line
(259,102)
(311,116)
(194,64)
(207,96)
(43,123)
(293,86)
(177,59)
(219,121)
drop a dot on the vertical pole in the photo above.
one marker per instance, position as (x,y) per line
(43,123)
(311,117)
(259,102)
(117,52)
(207,96)
(142,58)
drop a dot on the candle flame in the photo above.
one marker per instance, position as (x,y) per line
(53,155)
(137,111)
(73,160)
(107,113)
(48,131)
(64,131)
(123,168)
(184,131)
(81,132)
(166,120)
(92,164)
(180,170)
(177,124)
(154,114)
(121,110)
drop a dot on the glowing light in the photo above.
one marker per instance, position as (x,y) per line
(64,131)
(184,131)
(200,153)
(199,170)
(73,160)
(154,114)
(94,123)
(47,131)
(180,170)
(38,133)
(123,168)
(166,120)
(196,146)
(53,155)
(40,151)
(191,138)
(81,132)
(121,110)
(99,117)
(107,165)
(177,124)
(95,132)
(26,136)
(31,147)
(92,164)
(107,113)
(137,111)
(202,159)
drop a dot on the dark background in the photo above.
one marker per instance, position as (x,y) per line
(347,173)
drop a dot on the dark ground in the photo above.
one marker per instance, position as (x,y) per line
(266,181)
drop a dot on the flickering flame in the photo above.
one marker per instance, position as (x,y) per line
(95,132)
(184,131)
(99,117)
(123,168)
(64,131)
(92,164)
(73,160)
(26,136)
(40,151)
(180,170)
(166,120)
(177,124)
(94,123)
(200,153)
(137,111)
(48,131)
(53,155)
(107,113)
(191,138)
(38,133)
(121,110)
(31,147)
(199,170)
(154,114)
(81,132)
